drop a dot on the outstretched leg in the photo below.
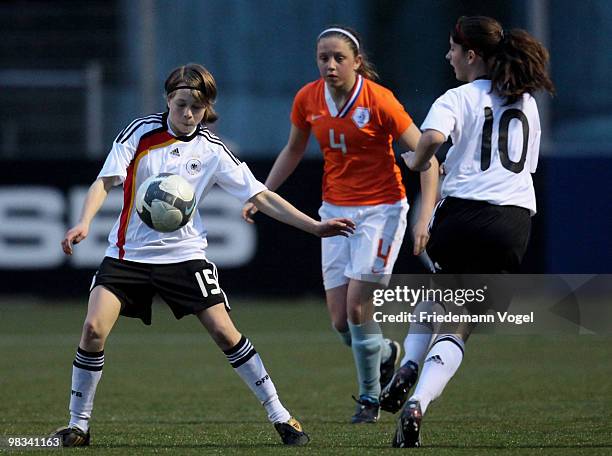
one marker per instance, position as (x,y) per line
(248,365)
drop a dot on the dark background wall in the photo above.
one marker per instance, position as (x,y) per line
(570,232)
(71,77)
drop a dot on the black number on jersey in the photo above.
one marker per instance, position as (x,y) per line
(502,145)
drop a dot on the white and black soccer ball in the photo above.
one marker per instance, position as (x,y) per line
(165,202)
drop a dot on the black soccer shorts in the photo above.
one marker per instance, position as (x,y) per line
(187,287)
(476,237)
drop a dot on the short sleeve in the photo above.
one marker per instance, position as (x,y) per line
(237,179)
(395,118)
(298,110)
(118,160)
(535,133)
(443,114)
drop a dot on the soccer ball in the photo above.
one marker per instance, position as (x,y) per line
(165,202)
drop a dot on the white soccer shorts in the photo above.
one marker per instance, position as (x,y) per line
(370,252)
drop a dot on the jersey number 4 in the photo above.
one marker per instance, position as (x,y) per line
(337,145)
(502,146)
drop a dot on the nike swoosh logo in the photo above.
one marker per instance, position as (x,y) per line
(315,117)
(188,211)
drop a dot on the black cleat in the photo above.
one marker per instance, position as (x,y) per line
(395,393)
(408,427)
(291,432)
(388,367)
(367,411)
(72,436)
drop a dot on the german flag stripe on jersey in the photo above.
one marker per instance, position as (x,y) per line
(152,140)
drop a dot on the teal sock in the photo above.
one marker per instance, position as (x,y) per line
(345,336)
(366,343)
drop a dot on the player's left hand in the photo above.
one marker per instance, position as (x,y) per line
(410,158)
(335,227)
(248,211)
(421,237)
(73,236)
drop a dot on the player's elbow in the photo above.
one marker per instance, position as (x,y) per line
(432,138)
(261,198)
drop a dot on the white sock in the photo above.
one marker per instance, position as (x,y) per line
(248,365)
(86,373)
(420,334)
(442,362)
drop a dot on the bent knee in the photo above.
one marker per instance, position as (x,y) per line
(93,330)
(356,314)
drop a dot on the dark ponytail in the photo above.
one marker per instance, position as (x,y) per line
(517,61)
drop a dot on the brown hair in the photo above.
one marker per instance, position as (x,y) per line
(366,69)
(516,60)
(202,85)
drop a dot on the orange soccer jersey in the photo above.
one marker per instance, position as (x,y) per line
(356,141)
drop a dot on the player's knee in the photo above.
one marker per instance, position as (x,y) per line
(93,331)
(356,314)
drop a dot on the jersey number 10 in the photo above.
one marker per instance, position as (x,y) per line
(502,146)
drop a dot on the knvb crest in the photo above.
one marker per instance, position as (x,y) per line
(361,116)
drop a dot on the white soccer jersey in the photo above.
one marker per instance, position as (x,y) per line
(495,147)
(147,147)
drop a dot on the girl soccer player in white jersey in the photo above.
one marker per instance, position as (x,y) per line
(482,223)
(140,262)
(355,120)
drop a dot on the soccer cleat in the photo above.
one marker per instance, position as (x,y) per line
(291,432)
(72,436)
(388,367)
(395,393)
(367,411)
(408,427)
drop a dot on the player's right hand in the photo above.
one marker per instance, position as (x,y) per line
(248,211)
(410,160)
(73,236)
(335,227)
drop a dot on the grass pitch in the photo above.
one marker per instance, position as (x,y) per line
(168,389)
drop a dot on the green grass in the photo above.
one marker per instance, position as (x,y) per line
(168,389)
